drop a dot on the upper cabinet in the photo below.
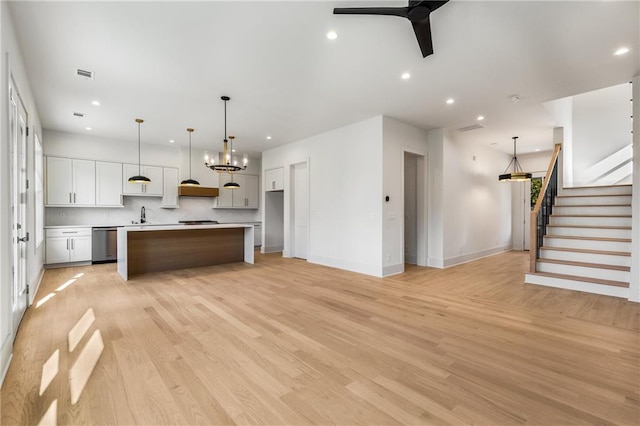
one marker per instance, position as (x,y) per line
(274,180)
(152,189)
(245,197)
(70,182)
(108,184)
(170,194)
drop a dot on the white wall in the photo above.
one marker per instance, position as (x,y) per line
(601,127)
(399,138)
(345,194)
(477,207)
(12,63)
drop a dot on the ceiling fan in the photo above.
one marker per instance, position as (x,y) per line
(417,12)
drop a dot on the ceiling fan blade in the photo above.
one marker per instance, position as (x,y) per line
(393,11)
(423,34)
(431,5)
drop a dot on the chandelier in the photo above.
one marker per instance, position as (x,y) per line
(517,174)
(229,162)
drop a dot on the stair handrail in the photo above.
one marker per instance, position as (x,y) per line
(538,223)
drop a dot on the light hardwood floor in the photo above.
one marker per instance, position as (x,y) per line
(284,342)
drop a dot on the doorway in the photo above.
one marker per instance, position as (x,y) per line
(415,209)
(18,175)
(273,222)
(299,210)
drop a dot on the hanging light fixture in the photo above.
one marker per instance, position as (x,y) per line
(517,174)
(229,162)
(139,178)
(190,182)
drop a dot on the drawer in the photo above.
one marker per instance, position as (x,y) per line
(68,232)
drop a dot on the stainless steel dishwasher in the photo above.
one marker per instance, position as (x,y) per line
(104,244)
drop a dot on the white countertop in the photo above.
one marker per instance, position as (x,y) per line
(129,225)
(152,227)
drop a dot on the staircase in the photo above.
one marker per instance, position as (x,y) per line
(587,246)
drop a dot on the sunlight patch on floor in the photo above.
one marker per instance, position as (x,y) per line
(81,327)
(44,300)
(81,371)
(49,371)
(50,417)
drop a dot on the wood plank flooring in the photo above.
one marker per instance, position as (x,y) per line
(284,342)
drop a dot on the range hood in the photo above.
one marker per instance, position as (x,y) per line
(196,191)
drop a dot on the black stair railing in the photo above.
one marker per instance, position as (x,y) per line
(543,209)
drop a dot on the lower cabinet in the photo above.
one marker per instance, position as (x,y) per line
(67,245)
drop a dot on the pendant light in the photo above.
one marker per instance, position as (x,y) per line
(190,182)
(139,178)
(517,175)
(229,163)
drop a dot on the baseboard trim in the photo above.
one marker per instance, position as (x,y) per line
(271,249)
(411,258)
(33,290)
(470,257)
(392,270)
(435,262)
(360,268)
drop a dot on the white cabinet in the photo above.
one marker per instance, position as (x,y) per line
(70,182)
(108,184)
(152,189)
(257,234)
(274,180)
(67,245)
(245,197)
(170,193)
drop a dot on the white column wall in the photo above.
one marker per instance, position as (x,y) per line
(345,193)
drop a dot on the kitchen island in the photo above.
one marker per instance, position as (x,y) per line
(157,248)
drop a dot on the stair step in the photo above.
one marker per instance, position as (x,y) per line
(588,256)
(590,231)
(589,243)
(598,190)
(593,210)
(585,284)
(590,220)
(587,264)
(584,270)
(570,200)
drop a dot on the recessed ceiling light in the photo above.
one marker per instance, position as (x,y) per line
(233,150)
(405,76)
(332,35)
(450,101)
(537,149)
(515,98)
(494,143)
(269,137)
(621,51)
(95,103)
(87,128)
(171,141)
(480,117)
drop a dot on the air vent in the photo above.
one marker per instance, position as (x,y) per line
(469,128)
(85,73)
(78,114)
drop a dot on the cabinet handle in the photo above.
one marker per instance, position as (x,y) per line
(67,244)
(70,199)
(273,184)
(72,245)
(74,198)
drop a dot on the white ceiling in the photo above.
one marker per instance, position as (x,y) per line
(169,62)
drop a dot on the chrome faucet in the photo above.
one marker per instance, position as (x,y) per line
(143,217)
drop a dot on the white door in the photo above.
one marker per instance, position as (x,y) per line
(300,214)
(20,236)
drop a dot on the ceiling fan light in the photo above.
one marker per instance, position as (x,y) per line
(515,177)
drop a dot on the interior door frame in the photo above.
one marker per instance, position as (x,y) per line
(19,197)
(422,206)
(292,194)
